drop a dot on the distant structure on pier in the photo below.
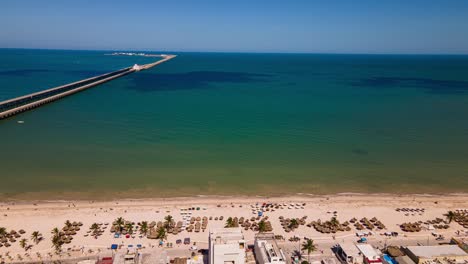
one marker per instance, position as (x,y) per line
(136,67)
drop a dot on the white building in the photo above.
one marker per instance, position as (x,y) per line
(136,67)
(349,253)
(267,251)
(227,246)
(370,254)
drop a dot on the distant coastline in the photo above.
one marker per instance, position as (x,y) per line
(135,54)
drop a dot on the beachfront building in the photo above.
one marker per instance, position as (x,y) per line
(267,250)
(226,246)
(348,253)
(442,254)
(370,254)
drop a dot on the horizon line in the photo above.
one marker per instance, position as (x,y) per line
(247,52)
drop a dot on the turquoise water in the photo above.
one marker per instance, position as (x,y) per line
(219,123)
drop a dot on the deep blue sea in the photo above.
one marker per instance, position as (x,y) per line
(233,123)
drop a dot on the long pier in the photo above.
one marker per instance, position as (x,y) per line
(27,102)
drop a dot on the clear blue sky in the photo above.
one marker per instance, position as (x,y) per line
(328,26)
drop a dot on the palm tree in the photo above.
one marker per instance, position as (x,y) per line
(94,228)
(24,243)
(57,243)
(168,221)
(334,221)
(36,237)
(129,227)
(450,216)
(230,222)
(294,223)
(144,227)
(261,226)
(120,223)
(55,232)
(309,246)
(161,233)
(2,231)
(68,223)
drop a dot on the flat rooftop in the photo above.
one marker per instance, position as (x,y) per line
(266,242)
(368,251)
(437,251)
(350,249)
(226,235)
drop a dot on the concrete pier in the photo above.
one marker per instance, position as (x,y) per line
(27,102)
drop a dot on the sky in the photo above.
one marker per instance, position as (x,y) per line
(298,26)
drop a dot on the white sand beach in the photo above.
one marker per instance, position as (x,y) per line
(44,216)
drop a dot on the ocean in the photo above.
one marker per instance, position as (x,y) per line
(236,124)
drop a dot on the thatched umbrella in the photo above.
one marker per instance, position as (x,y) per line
(21,231)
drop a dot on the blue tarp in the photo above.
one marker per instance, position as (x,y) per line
(114,246)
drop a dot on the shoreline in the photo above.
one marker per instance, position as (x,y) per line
(240,198)
(211,199)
